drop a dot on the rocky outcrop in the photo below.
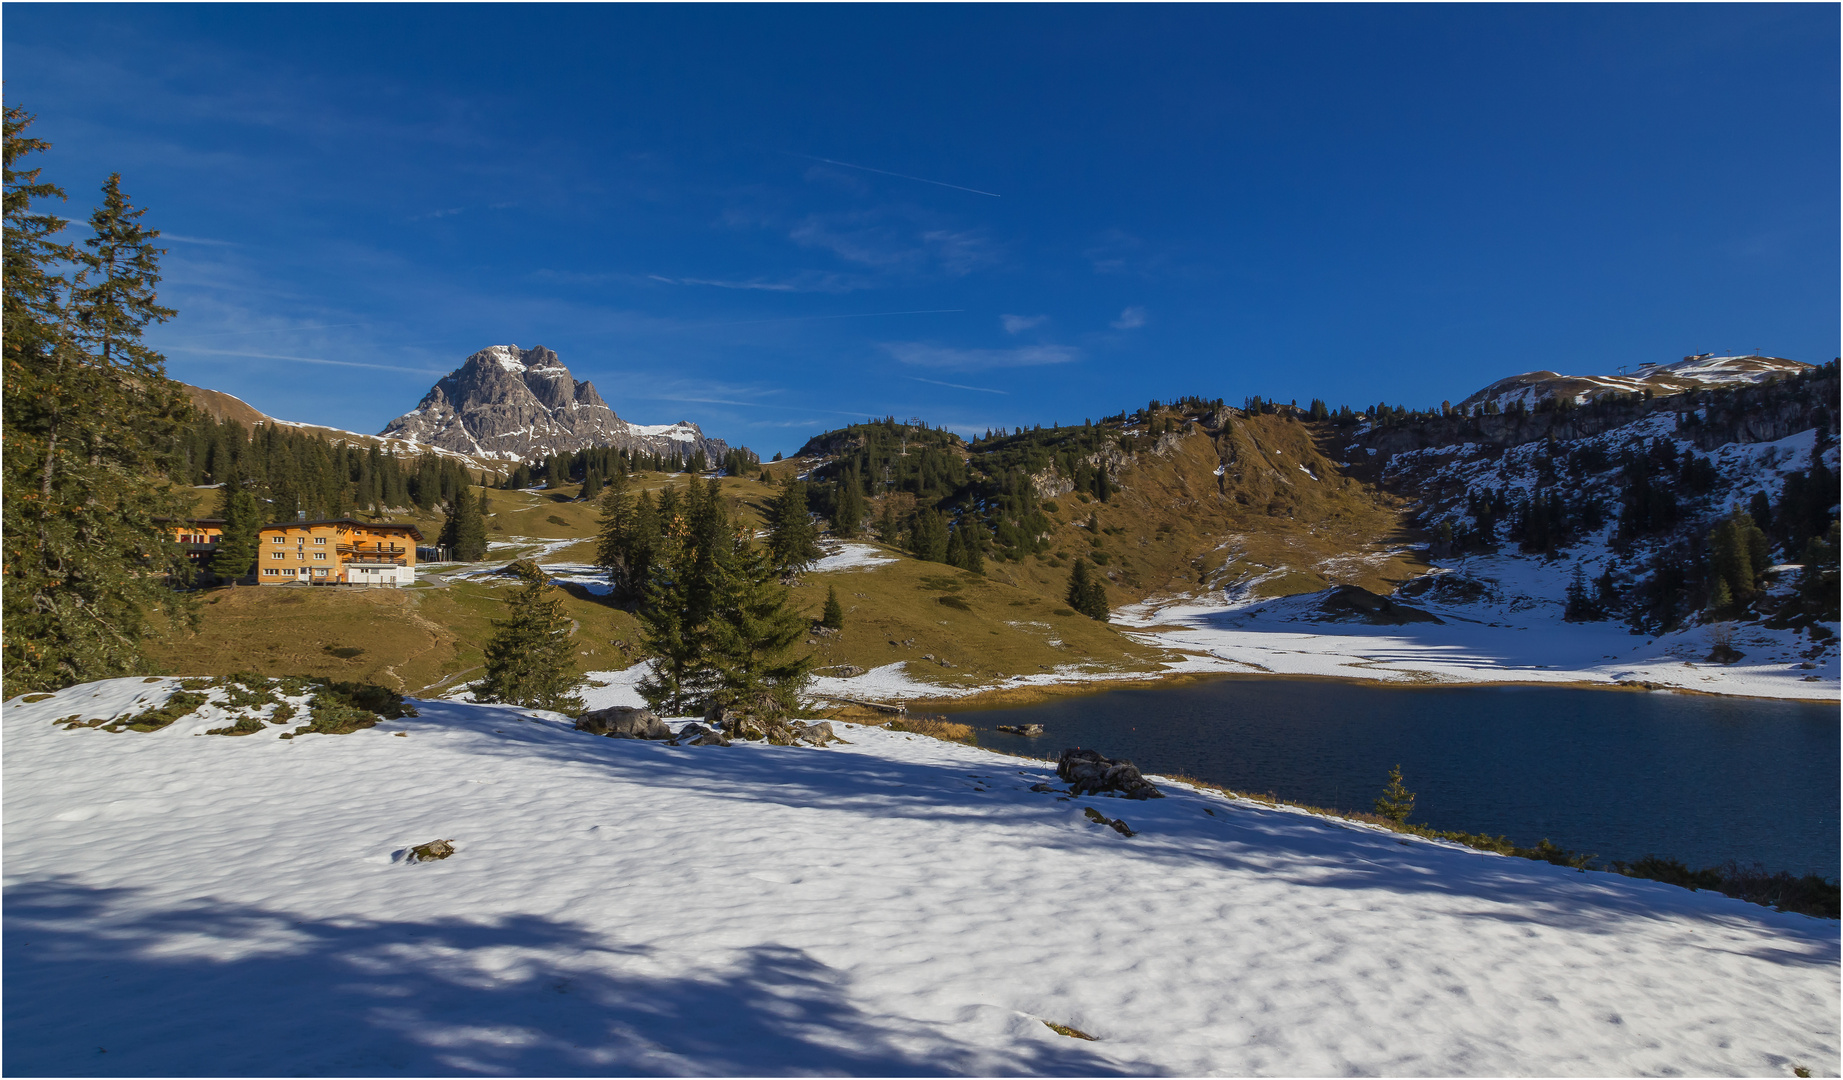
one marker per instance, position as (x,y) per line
(521,404)
(623,722)
(1351,603)
(1088,772)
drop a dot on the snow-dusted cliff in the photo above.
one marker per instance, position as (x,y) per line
(522,404)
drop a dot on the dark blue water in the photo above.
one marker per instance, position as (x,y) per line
(1618,775)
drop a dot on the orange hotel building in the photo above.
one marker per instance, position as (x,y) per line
(329,551)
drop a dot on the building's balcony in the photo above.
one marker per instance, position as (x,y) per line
(361,548)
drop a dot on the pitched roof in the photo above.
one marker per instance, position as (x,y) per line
(394,525)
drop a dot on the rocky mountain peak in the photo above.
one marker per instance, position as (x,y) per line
(519,404)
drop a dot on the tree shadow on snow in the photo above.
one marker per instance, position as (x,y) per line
(100,982)
(1306,850)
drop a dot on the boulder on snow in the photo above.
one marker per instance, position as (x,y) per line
(1355,603)
(819,733)
(1089,772)
(432,851)
(623,722)
(766,724)
(695,734)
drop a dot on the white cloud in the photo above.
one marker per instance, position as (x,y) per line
(1130,319)
(1016,324)
(896,241)
(942,356)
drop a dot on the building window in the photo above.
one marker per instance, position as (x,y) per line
(320,555)
(278,539)
(281,554)
(319,539)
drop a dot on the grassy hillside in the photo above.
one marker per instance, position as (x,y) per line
(1281,518)
(1253,502)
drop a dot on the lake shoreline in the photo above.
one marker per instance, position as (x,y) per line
(1011,696)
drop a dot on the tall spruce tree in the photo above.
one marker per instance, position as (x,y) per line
(848,509)
(464,530)
(928,536)
(752,636)
(1738,554)
(614,539)
(235,557)
(833,617)
(793,542)
(685,585)
(531,659)
(89,421)
(1087,593)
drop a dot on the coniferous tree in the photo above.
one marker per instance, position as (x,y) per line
(676,642)
(464,530)
(928,536)
(1580,606)
(848,509)
(833,617)
(614,549)
(235,557)
(793,542)
(686,583)
(1087,591)
(1818,580)
(889,529)
(1396,802)
(752,635)
(531,659)
(90,420)
(1738,556)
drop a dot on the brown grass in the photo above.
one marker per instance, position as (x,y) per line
(934,728)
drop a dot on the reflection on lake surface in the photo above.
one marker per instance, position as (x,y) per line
(1617,774)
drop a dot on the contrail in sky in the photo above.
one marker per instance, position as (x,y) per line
(304,360)
(955,385)
(277,329)
(858,315)
(899,176)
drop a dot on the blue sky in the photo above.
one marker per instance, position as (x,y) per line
(774,220)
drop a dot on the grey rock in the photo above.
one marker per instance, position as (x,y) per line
(695,734)
(519,404)
(819,733)
(1088,772)
(623,722)
(1022,729)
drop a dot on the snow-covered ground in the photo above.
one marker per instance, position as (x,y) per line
(1514,634)
(185,904)
(853,557)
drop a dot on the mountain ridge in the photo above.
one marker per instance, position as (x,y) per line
(513,404)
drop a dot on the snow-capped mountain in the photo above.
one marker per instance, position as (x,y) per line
(1690,373)
(519,404)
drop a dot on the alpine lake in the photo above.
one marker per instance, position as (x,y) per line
(1612,774)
